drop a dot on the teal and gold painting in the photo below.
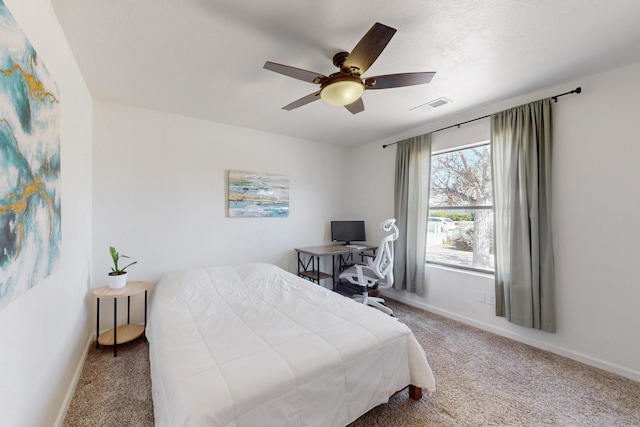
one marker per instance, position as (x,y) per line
(253,194)
(30,221)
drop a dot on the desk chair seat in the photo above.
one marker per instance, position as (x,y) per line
(378,270)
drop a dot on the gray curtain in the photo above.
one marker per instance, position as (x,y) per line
(411,197)
(521,163)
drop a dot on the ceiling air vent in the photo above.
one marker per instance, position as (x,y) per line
(432,104)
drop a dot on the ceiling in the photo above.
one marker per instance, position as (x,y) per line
(204,58)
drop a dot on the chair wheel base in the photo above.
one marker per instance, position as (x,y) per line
(374,302)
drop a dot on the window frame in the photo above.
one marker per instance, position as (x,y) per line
(458,208)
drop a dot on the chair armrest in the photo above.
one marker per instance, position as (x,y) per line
(352,263)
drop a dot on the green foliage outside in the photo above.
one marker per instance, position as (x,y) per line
(454,216)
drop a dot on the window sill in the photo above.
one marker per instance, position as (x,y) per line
(462,270)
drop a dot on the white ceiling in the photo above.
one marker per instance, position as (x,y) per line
(204,58)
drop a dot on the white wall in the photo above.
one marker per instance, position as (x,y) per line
(43,333)
(596,236)
(160,192)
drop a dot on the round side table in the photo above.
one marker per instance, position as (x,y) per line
(123,333)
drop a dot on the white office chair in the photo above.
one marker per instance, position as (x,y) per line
(378,270)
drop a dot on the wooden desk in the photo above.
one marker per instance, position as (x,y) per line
(310,268)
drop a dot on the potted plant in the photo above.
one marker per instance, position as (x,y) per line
(117,279)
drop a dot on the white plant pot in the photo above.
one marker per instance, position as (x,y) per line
(117,282)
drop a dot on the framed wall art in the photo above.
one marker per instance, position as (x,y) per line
(254,194)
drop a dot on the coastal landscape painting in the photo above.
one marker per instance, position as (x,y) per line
(254,194)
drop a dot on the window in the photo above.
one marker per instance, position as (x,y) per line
(460,223)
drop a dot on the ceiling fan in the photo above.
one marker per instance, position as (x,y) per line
(345,87)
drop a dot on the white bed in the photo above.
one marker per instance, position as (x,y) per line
(254,345)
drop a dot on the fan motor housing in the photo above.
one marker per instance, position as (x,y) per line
(340,77)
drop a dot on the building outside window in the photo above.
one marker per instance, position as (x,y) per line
(460,223)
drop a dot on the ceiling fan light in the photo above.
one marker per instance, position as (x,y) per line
(342,92)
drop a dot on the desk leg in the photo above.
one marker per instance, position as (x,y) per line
(317,270)
(115,327)
(98,324)
(341,262)
(333,271)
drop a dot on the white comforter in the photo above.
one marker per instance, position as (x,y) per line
(254,345)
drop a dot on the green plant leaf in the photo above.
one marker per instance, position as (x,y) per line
(123,268)
(115,256)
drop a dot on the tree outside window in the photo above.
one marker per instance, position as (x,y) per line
(460,224)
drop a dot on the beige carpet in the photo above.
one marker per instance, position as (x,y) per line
(482,380)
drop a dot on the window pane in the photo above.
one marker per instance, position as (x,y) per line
(461,238)
(461,177)
(460,224)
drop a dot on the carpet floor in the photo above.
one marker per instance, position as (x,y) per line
(481,380)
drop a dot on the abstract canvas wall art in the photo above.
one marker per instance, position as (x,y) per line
(30,221)
(253,194)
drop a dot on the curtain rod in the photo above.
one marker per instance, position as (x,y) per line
(554,97)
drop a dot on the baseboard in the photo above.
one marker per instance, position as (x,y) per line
(74,382)
(561,351)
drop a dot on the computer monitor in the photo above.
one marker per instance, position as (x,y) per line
(347,231)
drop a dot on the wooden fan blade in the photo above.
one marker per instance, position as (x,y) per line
(356,106)
(398,80)
(369,48)
(302,101)
(296,73)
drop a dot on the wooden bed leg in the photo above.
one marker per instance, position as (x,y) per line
(415,393)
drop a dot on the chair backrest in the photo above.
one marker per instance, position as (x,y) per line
(382,264)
